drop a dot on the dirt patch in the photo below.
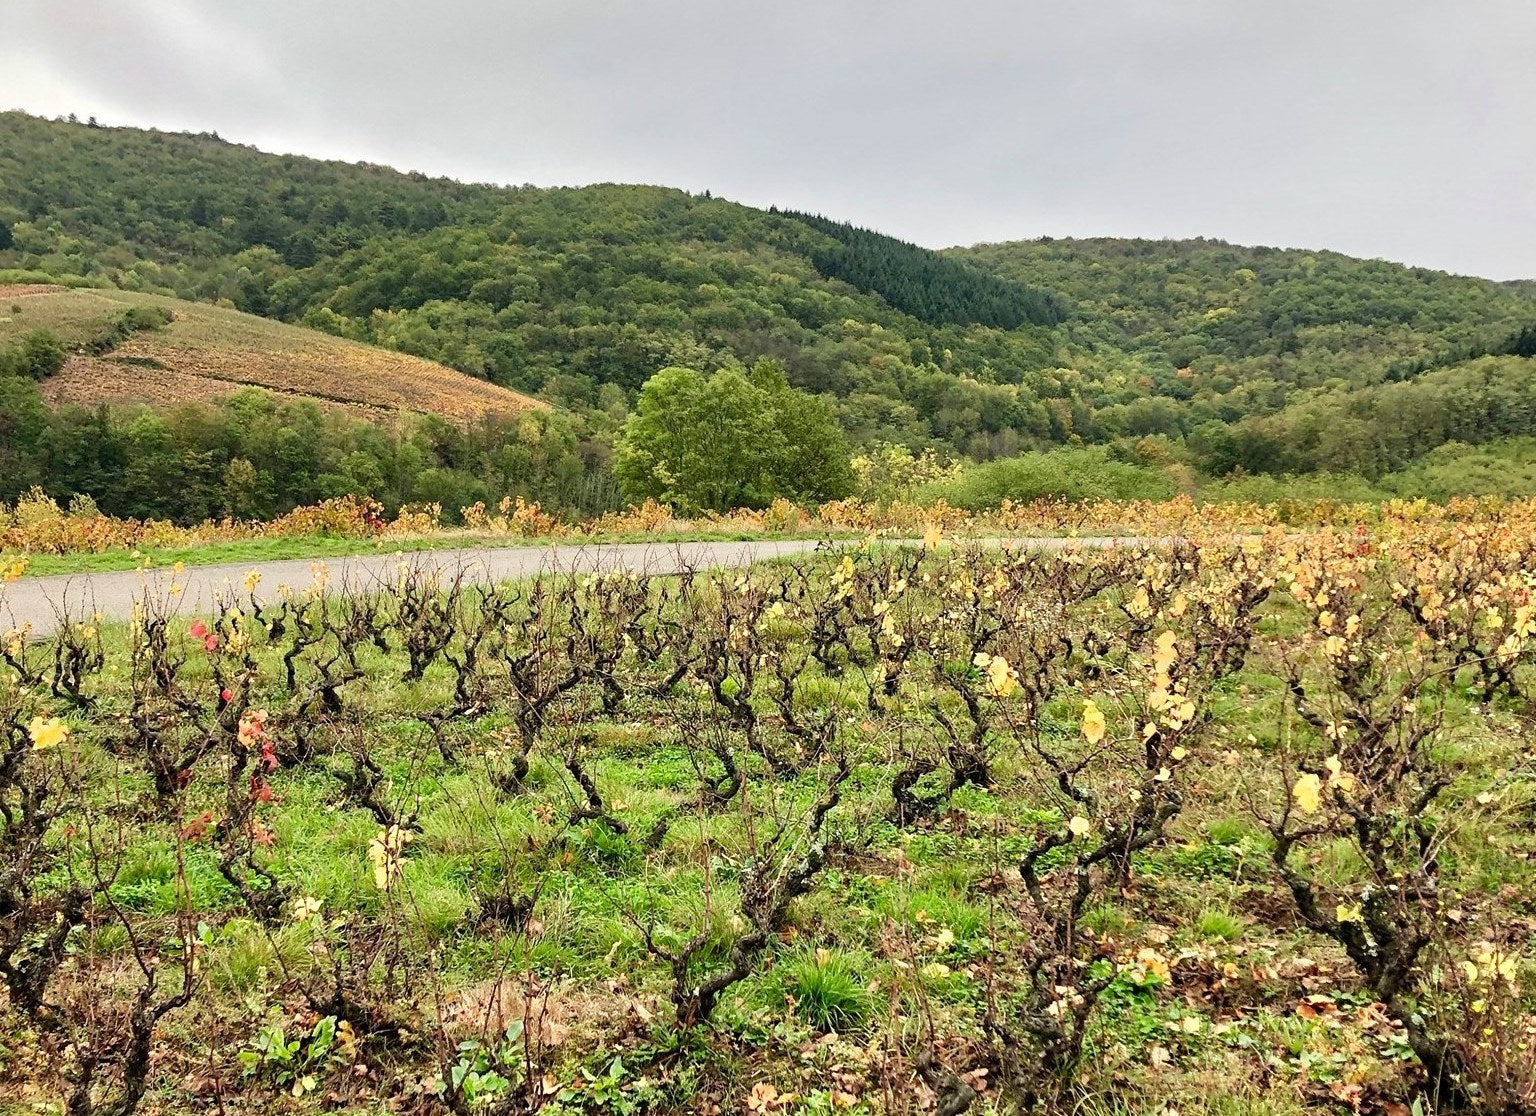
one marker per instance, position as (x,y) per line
(551,1012)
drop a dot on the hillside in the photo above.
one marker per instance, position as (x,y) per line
(1284,361)
(204,352)
(558,292)
(562,291)
(1217,308)
(1219,358)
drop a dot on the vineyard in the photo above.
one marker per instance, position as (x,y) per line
(1234,817)
(205,352)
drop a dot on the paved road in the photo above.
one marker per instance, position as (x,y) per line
(39,601)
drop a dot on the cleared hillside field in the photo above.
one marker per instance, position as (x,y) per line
(208,351)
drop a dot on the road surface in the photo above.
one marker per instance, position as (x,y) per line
(40,601)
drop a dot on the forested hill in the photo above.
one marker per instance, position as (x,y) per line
(1226,357)
(1283,360)
(1256,312)
(558,291)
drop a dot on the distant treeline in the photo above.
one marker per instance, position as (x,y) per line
(255,455)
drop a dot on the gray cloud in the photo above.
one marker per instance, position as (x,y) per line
(1395,128)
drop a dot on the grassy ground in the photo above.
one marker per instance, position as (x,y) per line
(1218,1000)
(272,550)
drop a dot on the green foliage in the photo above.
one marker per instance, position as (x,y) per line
(1284,318)
(39,353)
(36,356)
(1067,474)
(479,1077)
(135,319)
(930,287)
(1283,361)
(1379,429)
(730,440)
(561,292)
(254,454)
(1502,468)
(1269,488)
(292,1063)
(1521,344)
(613,1088)
(24,426)
(1245,360)
(887,472)
(1219,926)
(825,989)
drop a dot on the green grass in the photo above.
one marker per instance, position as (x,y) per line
(824,988)
(1219,925)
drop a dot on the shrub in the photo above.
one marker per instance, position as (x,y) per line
(38,355)
(1074,475)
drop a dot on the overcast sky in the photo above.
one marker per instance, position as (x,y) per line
(1396,128)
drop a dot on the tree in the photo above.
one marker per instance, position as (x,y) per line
(696,441)
(814,459)
(240,484)
(36,356)
(23,431)
(728,440)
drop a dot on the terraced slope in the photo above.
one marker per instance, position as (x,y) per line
(208,351)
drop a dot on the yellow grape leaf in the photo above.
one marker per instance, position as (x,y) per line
(1093,722)
(1080,826)
(1000,678)
(1308,793)
(47,732)
(1337,776)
